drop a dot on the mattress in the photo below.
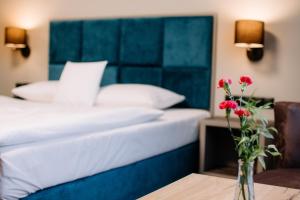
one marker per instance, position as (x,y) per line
(31,167)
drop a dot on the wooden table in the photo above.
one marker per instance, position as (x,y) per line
(203,187)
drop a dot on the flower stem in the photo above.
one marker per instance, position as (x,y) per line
(231,132)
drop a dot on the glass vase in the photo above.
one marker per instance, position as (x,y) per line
(245,186)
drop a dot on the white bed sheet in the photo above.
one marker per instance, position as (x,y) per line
(31,167)
(27,122)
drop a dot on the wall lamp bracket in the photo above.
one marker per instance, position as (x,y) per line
(255,54)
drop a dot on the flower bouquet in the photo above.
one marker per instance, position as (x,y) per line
(252,126)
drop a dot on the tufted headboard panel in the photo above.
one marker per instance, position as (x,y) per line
(171,52)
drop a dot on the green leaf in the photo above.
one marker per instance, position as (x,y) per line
(244,122)
(273,150)
(262,153)
(273,129)
(266,106)
(240,151)
(254,138)
(262,161)
(266,134)
(274,153)
(273,147)
(243,140)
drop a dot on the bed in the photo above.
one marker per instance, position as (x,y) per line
(129,161)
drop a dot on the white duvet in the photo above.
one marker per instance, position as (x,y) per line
(25,122)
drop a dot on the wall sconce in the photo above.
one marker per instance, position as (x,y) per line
(249,34)
(16,39)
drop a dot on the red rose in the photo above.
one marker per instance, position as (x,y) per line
(228,104)
(242,112)
(223,81)
(246,80)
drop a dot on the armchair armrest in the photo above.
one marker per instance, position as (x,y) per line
(287,122)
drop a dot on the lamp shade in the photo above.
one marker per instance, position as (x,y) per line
(15,37)
(249,34)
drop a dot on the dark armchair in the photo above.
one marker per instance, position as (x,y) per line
(287,169)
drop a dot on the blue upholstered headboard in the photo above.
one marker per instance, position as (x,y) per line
(171,52)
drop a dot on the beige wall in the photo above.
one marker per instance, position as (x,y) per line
(277,75)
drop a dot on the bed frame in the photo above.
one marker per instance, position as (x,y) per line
(170,52)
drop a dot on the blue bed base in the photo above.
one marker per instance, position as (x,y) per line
(128,182)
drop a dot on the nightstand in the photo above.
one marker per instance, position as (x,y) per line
(217,154)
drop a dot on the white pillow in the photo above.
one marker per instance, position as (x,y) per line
(43,91)
(137,95)
(79,83)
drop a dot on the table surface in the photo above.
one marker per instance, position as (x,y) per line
(203,187)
